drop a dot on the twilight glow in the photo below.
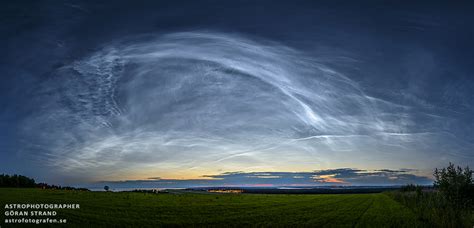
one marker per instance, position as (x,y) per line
(209,106)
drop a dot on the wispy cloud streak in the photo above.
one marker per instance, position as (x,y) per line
(210,101)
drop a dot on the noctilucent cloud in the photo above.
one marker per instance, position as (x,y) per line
(179,94)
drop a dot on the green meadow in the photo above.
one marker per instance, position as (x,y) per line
(100,209)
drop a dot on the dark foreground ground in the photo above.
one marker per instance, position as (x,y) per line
(145,209)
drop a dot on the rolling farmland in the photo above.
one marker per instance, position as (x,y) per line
(145,209)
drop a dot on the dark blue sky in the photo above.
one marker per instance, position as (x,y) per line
(185,90)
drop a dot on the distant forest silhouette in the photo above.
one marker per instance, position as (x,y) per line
(20,181)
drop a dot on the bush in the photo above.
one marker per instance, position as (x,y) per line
(450,205)
(433,209)
(456,184)
(411,188)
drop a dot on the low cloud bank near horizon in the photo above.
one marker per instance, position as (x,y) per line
(328,177)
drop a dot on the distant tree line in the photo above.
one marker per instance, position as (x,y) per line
(20,181)
(16,181)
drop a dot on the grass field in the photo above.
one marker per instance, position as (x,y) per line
(144,209)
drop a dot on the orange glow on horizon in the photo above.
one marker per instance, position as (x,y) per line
(330,179)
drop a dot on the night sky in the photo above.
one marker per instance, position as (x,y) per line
(254,93)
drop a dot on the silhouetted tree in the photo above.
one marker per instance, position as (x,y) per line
(106,188)
(456,184)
